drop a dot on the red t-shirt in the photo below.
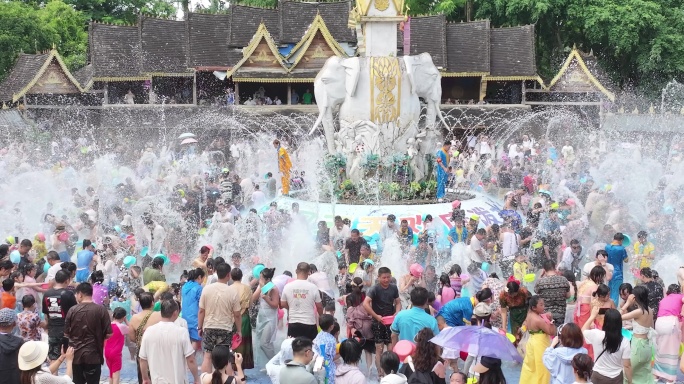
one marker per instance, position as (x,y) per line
(8,300)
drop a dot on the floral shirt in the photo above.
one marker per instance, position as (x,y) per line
(29,325)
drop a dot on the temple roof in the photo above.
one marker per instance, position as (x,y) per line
(29,70)
(295,18)
(575,76)
(428,34)
(512,52)
(84,76)
(468,47)
(317,27)
(245,20)
(267,54)
(164,46)
(115,51)
(209,36)
(215,42)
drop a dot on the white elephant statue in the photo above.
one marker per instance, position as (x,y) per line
(382,91)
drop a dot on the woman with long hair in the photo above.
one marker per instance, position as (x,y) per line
(642,332)
(359,321)
(190,297)
(513,303)
(612,362)
(540,326)
(668,328)
(601,299)
(267,318)
(558,356)
(424,359)
(222,359)
(585,293)
(490,372)
(446,292)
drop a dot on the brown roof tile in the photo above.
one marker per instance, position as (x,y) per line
(115,50)
(164,46)
(296,16)
(468,47)
(428,35)
(209,40)
(25,69)
(512,51)
(336,15)
(245,21)
(84,75)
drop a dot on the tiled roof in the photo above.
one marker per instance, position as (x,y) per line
(336,16)
(468,47)
(428,35)
(512,51)
(245,21)
(84,75)
(209,40)
(295,18)
(164,46)
(24,71)
(115,51)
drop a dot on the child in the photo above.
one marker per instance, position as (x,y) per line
(7,299)
(582,366)
(114,345)
(100,291)
(343,279)
(29,320)
(327,345)
(389,361)
(520,267)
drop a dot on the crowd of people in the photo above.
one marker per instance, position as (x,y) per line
(558,272)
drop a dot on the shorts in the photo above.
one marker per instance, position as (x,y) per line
(194,334)
(213,337)
(302,330)
(55,345)
(381,333)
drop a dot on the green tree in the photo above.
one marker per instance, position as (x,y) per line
(21,30)
(69,36)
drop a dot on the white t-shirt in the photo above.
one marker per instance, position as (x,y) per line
(566,261)
(476,245)
(608,364)
(509,245)
(586,270)
(165,346)
(52,271)
(301,297)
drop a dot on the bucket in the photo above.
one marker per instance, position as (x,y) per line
(537,245)
(256,271)
(129,261)
(485,266)
(144,250)
(529,277)
(352,267)
(175,258)
(387,320)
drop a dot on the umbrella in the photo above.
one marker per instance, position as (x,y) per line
(478,341)
(186,135)
(189,141)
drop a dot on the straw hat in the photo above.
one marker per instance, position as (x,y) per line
(32,354)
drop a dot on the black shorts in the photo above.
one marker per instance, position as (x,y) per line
(302,330)
(213,337)
(381,333)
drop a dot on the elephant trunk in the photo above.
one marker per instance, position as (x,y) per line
(318,121)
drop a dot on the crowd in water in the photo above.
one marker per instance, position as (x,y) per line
(185,272)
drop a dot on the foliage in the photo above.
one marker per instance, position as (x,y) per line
(30,29)
(371,161)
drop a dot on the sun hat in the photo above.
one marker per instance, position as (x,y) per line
(486,363)
(482,310)
(7,317)
(32,354)
(474,217)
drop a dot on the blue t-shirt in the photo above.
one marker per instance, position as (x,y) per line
(409,322)
(616,256)
(455,311)
(83,259)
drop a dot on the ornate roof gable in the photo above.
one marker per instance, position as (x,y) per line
(261,52)
(575,76)
(304,50)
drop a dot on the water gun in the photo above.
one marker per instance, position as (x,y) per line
(326,363)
